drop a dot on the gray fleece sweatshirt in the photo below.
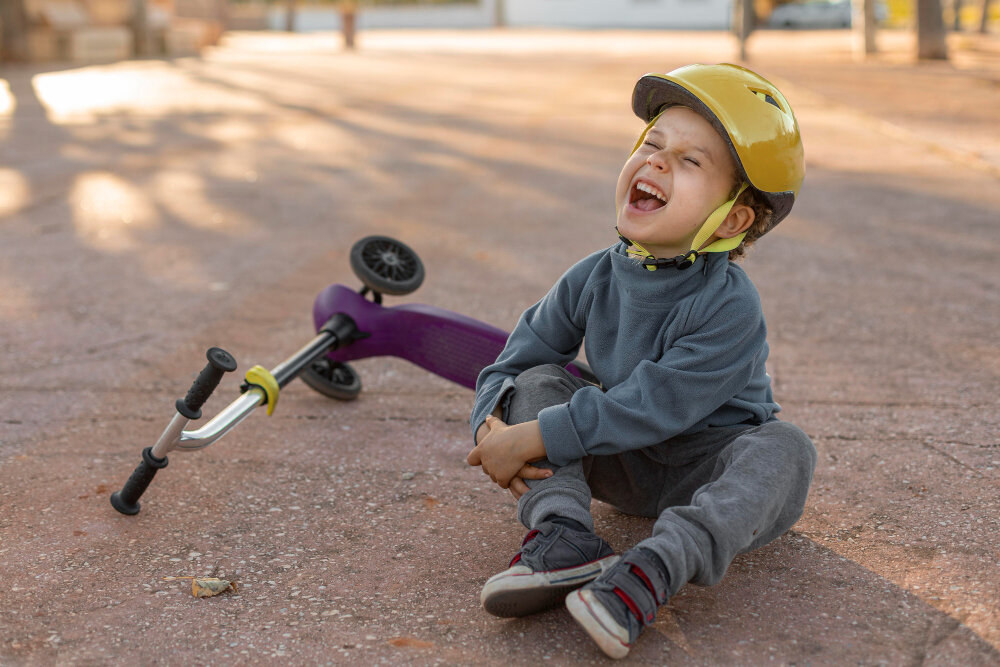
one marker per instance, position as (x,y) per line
(675,351)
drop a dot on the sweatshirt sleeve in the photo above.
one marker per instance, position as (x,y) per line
(550,332)
(662,398)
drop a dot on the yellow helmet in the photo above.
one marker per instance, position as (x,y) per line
(748,111)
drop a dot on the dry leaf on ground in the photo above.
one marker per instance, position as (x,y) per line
(206,587)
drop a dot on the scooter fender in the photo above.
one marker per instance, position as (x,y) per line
(443,342)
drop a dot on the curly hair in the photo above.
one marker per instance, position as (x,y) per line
(761,221)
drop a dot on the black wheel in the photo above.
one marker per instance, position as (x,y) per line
(386,266)
(332,378)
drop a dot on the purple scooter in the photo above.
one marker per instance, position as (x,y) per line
(349,326)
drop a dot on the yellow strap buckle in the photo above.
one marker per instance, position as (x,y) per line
(258,376)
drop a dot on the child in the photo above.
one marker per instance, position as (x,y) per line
(682,426)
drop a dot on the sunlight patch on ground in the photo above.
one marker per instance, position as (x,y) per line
(945,578)
(231,130)
(338,144)
(7,102)
(15,193)
(154,88)
(183,195)
(108,211)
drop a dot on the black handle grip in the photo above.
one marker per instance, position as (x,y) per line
(126,501)
(220,362)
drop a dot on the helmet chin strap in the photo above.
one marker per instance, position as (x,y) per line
(708,228)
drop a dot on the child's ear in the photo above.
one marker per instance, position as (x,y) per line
(739,220)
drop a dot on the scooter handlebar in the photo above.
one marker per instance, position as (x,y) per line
(220,362)
(126,501)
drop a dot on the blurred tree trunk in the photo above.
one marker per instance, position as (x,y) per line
(290,9)
(743,23)
(14,18)
(140,27)
(348,22)
(985,17)
(499,14)
(222,13)
(864,24)
(956,20)
(930,31)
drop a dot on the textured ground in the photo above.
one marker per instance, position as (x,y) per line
(149,210)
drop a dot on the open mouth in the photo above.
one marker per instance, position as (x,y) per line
(646,197)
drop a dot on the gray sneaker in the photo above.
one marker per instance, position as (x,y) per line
(616,607)
(553,560)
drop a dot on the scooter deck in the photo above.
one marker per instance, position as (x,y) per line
(446,343)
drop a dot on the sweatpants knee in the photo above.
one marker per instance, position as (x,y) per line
(536,389)
(545,375)
(798,456)
(798,450)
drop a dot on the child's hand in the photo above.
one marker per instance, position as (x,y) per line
(484,428)
(517,486)
(505,450)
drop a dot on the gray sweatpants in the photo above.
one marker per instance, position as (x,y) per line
(715,494)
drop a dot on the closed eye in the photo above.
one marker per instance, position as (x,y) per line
(650,144)
(693,161)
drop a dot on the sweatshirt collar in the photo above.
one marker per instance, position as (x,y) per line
(664,285)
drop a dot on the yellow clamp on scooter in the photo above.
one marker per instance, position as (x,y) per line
(261,377)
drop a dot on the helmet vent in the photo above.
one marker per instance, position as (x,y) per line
(767,98)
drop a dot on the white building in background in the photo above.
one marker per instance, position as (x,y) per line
(681,14)
(650,14)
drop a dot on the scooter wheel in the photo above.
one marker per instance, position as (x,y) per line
(386,266)
(332,378)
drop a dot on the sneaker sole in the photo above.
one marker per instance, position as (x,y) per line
(590,619)
(515,595)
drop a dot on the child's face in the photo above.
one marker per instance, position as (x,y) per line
(688,165)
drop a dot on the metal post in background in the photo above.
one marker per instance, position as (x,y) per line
(743,23)
(863,23)
(931,44)
(14,38)
(349,22)
(499,14)
(140,28)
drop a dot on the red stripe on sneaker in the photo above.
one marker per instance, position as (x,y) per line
(637,571)
(527,538)
(632,607)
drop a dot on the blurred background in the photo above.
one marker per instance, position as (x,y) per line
(78,31)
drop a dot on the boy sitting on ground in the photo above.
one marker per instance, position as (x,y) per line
(681,424)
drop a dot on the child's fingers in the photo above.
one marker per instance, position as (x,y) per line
(517,487)
(493,422)
(498,477)
(474,459)
(531,472)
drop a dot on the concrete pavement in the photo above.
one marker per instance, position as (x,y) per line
(153,209)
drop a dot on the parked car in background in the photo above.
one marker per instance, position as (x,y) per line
(818,14)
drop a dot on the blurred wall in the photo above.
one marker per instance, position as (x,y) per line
(685,14)
(325,17)
(696,14)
